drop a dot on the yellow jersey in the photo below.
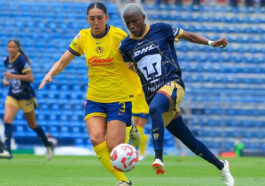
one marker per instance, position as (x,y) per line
(110,79)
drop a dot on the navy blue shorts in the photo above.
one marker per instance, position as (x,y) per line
(141,115)
(112,111)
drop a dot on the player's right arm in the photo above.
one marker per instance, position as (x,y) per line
(66,58)
(5,82)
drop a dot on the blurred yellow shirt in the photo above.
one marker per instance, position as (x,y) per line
(139,105)
(109,78)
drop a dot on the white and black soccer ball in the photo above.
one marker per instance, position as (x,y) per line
(124,157)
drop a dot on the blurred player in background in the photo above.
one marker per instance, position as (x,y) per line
(21,95)
(111,87)
(150,51)
(3,152)
(140,113)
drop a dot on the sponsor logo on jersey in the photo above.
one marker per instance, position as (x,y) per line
(153,88)
(143,50)
(95,61)
(77,36)
(139,43)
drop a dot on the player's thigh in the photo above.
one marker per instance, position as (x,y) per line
(176,93)
(119,115)
(116,133)
(31,119)
(121,111)
(96,127)
(140,120)
(27,105)
(95,118)
(11,109)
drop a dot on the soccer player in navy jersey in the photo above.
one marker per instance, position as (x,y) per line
(149,49)
(21,95)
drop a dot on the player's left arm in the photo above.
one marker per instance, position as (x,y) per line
(196,38)
(27,76)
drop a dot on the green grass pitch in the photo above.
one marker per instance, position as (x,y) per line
(31,170)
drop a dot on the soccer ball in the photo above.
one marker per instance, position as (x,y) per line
(124,157)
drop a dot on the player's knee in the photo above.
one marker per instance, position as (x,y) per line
(7,119)
(113,143)
(32,125)
(96,140)
(153,109)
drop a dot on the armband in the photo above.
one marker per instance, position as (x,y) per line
(210,42)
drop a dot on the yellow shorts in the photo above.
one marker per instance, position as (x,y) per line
(139,105)
(176,91)
(25,105)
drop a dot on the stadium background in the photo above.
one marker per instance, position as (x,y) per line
(225,88)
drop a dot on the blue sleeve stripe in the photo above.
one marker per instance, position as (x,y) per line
(73,52)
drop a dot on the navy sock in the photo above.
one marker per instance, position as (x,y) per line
(8,136)
(158,105)
(179,129)
(159,154)
(41,135)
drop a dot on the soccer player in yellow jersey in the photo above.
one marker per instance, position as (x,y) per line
(111,86)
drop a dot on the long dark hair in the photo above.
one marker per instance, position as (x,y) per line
(20,49)
(98,5)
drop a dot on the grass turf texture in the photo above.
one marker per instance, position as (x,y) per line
(31,170)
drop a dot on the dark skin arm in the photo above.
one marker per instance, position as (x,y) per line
(23,77)
(131,66)
(196,38)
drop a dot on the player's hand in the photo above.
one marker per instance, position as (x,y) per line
(47,78)
(5,82)
(220,42)
(8,75)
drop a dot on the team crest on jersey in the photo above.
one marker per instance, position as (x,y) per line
(100,49)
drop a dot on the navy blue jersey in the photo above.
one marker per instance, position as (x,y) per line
(19,89)
(154,57)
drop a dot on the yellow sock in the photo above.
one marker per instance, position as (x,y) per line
(143,142)
(128,129)
(103,155)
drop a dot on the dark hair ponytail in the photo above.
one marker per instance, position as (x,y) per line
(20,50)
(98,5)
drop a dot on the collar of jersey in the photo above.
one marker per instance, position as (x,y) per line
(147,28)
(102,35)
(12,61)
